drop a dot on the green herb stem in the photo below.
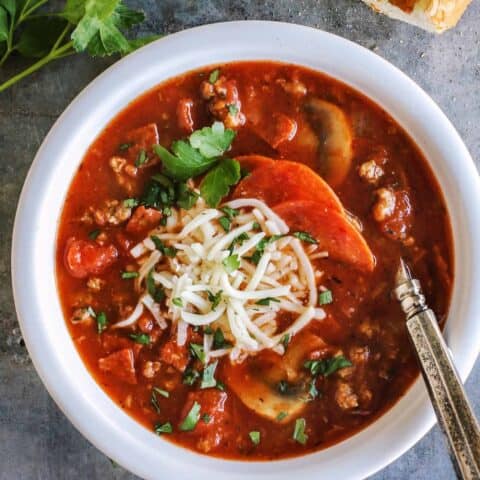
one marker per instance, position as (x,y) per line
(61,52)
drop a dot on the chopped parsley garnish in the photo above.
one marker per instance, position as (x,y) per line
(327,366)
(190,376)
(186,198)
(208,330)
(231,263)
(101,318)
(191,420)
(128,275)
(142,338)
(154,401)
(238,240)
(178,302)
(299,432)
(206,418)
(256,226)
(260,249)
(312,391)
(219,340)
(141,158)
(326,297)
(285,340)
(225,223)
(161,392)
(155,292)
(94,234)
(305,237)
(214,299)
(159,245)
(123,147)
(162,180)
(220,386)
(130,202)
(198,351)
(266,301)
(231,213)
(232,109)
(163,428)
(254,437)
(283,387)
(213,77)
(281,416)
(208,378)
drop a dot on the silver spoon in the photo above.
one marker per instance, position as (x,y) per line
(448,397)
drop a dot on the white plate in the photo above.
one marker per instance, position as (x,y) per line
(33,254)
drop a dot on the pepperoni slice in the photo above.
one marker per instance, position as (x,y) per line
(284,181)
(83,258)
(253,162)
(332,229)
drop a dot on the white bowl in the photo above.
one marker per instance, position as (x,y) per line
(33,254)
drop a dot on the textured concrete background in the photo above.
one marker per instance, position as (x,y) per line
(36,440)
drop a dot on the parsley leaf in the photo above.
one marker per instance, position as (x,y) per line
(281,416)
(163,428)
(128,275)
(312,391)
(213,77)
(101,322)
(141,158)
(142,338)
(212,142)
(216,184)
(299,432)
(219,340)
(254,437)
(214,299)
(327,366)
(324,298)
(206,418)
(197,351)
(159,245)
(186,198)
(130,202)
(155,292)
(161,392)
(190,376)
(178,302)
(94,234)
(266,301)
(305,237)
(231,213)
(225,223)
(191,420)
(231,263)
(208,379)
(285,340)
(185,161)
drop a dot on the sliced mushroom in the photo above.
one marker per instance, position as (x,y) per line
(256,381)
(334,131)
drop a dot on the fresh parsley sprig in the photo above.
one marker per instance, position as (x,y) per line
(92,26)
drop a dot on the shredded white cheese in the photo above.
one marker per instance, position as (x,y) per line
(213,281)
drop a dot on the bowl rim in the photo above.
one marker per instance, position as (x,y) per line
(92,412)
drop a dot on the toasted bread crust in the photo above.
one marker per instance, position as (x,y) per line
(432,15)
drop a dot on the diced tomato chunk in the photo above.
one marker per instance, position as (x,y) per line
(283,181)
(143,219)
(333,230)
(112,343)
(175,355)
(214,425)
(83,258)
(120,364)
(184,114)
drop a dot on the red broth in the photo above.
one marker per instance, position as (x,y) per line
(363,323)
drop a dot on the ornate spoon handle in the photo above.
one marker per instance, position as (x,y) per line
(448,397)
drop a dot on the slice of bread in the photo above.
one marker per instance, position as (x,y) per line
(432,15)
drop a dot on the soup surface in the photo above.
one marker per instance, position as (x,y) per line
(226,256)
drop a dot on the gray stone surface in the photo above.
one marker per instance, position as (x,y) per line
(36,440)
